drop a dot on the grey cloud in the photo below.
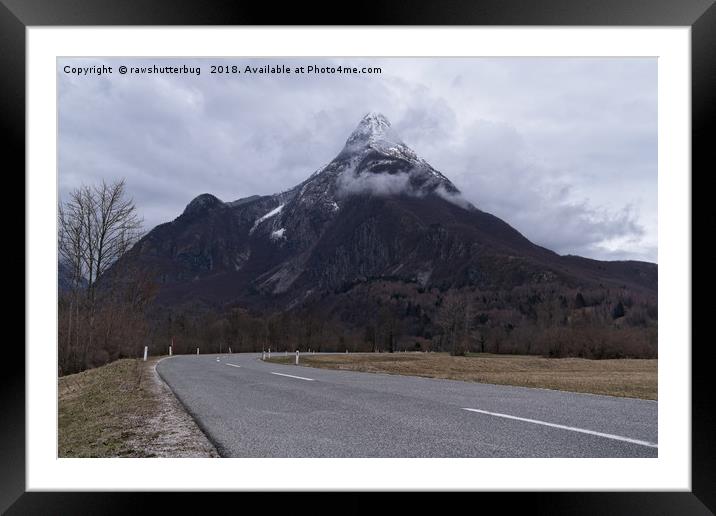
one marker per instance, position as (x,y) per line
(455,198)
(374,184)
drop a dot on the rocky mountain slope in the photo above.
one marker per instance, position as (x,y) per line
(377,212)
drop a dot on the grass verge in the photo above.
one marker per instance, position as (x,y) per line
(622,377)
(124,409)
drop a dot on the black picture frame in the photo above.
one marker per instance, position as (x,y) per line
(700,15)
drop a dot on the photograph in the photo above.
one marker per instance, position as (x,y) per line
(357,257)
(416,251)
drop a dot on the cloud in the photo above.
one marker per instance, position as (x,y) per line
(374,184)
(492,165)
(399,183)
(562,149)
(455,198)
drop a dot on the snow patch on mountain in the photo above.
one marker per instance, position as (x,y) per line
(278,234)
(270,214)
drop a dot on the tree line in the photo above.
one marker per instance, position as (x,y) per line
(537,320)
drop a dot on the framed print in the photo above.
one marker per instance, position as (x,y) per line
(461,209)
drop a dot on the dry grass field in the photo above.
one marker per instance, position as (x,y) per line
(123,409)
(623,377)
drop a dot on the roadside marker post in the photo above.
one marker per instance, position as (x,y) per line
(197,351)
(170,351)
(269,354)
(263,355)
(296,357)
(229,350)
(145,353)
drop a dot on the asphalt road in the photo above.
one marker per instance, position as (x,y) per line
(251,408)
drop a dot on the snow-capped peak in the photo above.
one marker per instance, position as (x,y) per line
(375,161)
(374,128)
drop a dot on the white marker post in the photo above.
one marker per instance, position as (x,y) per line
(170,351)
(197,351)
(263,355)
(145,353)
(296,357)
(269,354)
(229,350)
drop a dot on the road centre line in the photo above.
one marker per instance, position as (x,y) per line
(291,376)
(570,428)
(232,365)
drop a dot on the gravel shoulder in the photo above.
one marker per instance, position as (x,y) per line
(124,409)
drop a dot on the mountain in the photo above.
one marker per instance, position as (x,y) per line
(377,213)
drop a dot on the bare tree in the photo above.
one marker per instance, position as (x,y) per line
(97,225)
(388,328)
(454,317)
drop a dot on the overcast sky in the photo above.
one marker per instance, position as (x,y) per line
(563,149)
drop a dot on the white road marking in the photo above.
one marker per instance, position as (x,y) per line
(232,365)
(571,428)
(291,376)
